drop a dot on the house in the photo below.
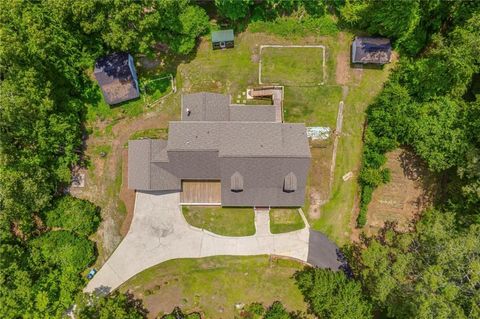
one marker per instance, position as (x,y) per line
(117,77)
(369,50)
(225,154)
(222,39)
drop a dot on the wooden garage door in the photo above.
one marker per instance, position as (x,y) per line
(201,192)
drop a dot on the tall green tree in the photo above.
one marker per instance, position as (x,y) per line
(115,305)
(331,295)
(233,9)
(431,273)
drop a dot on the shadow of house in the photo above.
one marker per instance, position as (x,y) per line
(117,77)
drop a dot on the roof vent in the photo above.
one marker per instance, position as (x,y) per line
(290,183)
(236,182)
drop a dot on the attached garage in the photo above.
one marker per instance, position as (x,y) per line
(201,192)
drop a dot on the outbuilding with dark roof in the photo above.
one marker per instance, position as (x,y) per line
(223,39)
(117,77)
(371,50)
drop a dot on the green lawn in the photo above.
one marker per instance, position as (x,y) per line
(151,89)
(221,71)
(154,133)
(314,106)
(292,66)
(227,221)
(214,285)
(284,220)
(336,214)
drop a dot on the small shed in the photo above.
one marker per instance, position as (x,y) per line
(371,50)
(222,39)
(117,77)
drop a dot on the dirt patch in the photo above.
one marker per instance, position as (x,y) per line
(127,196)
(411,189)
(320,175)
(106,181)
(342,72)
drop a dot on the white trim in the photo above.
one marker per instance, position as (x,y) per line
(200,204)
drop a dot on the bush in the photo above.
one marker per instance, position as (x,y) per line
(178,314)
(332,295)
(292,26)
(277,311)
(362,217)
(63,249)
(256,308)
(73,214)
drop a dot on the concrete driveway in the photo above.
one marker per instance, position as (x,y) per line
(159,233)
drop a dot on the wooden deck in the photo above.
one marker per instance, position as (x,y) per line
(201,192)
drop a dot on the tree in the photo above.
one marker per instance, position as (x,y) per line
(116,305)
(233,9)
(332,295)
(73,214)
(62,249)
(178,314)
(437,134)
(193,22)
(277,311)
(431,273)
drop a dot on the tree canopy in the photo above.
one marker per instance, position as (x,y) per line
(331,295)
(433,272)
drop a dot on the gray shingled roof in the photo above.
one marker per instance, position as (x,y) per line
(254,157)
(253,113)
(371,50)
(206,106)
(240,139)
(139,164)
(115,78)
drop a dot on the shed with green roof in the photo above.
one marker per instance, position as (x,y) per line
(222,39)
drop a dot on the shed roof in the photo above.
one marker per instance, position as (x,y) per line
(222,36)
(115,78)
(371,50)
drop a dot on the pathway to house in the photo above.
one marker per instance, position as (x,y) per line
(159,233)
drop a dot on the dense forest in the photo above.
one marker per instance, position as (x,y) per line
(431,104)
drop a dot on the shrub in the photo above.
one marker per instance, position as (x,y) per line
(73,214)
(63,249)
(292,26)
(362,217)
(330,294)
(256,308)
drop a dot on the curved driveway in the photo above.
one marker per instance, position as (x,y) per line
(159,233)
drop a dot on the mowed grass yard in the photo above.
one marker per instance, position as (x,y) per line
(292,66)
(227,221)
(314,106)
(214,285)
(284,220)
(337,215)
